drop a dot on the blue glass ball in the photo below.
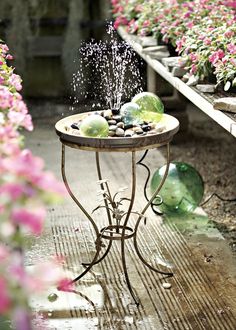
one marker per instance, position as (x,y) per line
(130,113)
(182,191)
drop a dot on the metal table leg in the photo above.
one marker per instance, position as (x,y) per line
(116,231)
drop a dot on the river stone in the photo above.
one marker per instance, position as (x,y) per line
(113,128)
(206,88)
(111,122)
(120,132)
(111,133)
(226,104)
(75,125)
(117,118)
(146,128)
(138,130)
(121,124)
(129,132)
(107,114)
(128,126)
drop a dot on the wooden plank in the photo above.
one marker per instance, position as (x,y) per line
(227,122)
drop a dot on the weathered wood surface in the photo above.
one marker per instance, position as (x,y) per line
(202,294)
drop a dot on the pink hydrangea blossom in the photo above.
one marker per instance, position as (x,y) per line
(233,61)
(32,218)
(218,55)
(15,81)
(12,190)
(4,253)
(193,57)
(66,285)
(231,48)
(190,25)
(5,301)
(229,33)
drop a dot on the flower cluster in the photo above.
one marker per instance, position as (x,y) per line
(201,30)
(25,189)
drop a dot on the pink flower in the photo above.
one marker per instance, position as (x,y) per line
(228,33)
(5,301)
(139,8)
(193,69)
(146,23)
(48,182)
(32,219)
(21,319)
(9,57)
(190,25)
(230,4)
(13,190)
(6,98)
(4,253)
(231,48)
(16,118)
(120,21)
(218,55)
(66,285)
(233,61)
(133,26)
(193,57)
(15,81)
(4,48)
(207,41)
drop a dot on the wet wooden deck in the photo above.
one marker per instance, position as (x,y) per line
(202,295)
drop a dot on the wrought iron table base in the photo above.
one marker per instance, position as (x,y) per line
(119,232)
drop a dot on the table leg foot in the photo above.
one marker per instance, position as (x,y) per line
(131,290)
(168,274)
(89,266)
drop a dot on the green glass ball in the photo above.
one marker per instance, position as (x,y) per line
(130,113)
(94,126)
(182,191)
(150,105)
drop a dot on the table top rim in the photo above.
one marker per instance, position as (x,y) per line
(115,143)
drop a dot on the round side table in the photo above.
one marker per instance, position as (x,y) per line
(117,227)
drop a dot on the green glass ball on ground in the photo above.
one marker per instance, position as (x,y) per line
(150,105)
(94,126)
(182,191)
(130,113)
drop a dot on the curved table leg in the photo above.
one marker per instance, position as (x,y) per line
(123,230)
(98,246)
(158,212)
(143,212)
(107,210)
(98,240)
(72,195)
